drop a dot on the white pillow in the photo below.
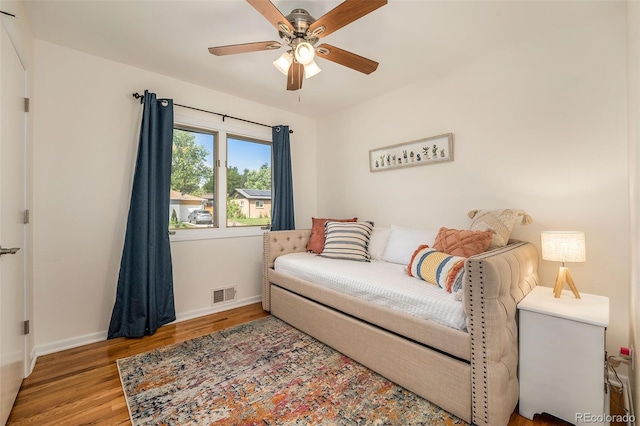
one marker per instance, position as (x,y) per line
(378,242)
(403,242)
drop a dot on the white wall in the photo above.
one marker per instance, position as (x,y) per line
(540,127)
(86,122)
(633,81)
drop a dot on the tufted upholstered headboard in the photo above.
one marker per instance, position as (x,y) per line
(278,243)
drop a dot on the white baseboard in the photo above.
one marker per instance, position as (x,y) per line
(221,307)
(70,343)
(100,336)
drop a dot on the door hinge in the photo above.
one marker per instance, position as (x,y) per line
(27,104)
(26,327)
(26,217)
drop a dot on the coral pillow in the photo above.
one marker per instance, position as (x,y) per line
(316,242)
(437,268)
(463,243)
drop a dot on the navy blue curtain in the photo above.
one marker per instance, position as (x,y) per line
(144,297)
(282,215)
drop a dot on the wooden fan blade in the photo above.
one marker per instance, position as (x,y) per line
(273,15)
(244,48)
(348,59)
(296,74)
(343,14)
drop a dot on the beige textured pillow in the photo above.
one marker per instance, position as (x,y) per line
(500,222)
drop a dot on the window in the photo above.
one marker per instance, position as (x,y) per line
(248,178)
(193,192)
(199,199)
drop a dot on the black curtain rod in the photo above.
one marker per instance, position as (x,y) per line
(139,96)
(7,13)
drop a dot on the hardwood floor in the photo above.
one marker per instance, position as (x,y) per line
(81,386)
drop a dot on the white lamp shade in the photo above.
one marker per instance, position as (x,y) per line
(305,53)
(311,69)
(563,246)
(283,63)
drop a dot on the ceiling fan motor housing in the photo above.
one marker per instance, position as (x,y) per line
(300,20)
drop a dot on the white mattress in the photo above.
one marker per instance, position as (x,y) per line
(385,283)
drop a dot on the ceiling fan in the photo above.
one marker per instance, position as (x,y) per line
(300,32)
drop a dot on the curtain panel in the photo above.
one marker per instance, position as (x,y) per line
(282,214)
(144,295)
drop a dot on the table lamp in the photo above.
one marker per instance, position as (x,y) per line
(563,246)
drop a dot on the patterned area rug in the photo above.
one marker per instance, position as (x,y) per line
(268,373)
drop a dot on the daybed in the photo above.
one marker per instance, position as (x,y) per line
(471,373)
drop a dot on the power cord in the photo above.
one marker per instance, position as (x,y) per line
(612,363)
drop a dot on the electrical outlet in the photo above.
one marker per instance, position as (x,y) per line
(627,354)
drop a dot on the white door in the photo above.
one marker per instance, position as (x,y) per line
(12,228)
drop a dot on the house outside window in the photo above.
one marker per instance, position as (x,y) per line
(257,209)
(248,179)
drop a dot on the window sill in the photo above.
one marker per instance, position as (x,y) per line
(216,233)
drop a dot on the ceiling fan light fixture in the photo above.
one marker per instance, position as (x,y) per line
(304,53)
(283,63)
(311,69)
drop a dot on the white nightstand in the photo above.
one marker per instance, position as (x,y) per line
(562,356)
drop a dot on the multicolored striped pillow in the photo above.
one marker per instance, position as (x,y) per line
(347,240)
(437,268)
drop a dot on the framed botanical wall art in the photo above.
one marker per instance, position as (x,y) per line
(421,152)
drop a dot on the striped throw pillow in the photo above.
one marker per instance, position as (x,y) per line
(437,268)
(347,240)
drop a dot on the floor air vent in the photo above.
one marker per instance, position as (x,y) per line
(222,295)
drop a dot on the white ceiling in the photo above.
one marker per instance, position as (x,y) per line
(413,40)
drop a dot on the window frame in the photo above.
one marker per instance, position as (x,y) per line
(199,121)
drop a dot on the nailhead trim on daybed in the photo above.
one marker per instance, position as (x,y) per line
(479,394)
(492,323)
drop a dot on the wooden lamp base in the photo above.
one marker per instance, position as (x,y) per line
(564,276)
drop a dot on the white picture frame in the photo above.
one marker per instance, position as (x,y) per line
(420,152)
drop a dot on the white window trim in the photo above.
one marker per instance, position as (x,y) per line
(204,121)
(215,233)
